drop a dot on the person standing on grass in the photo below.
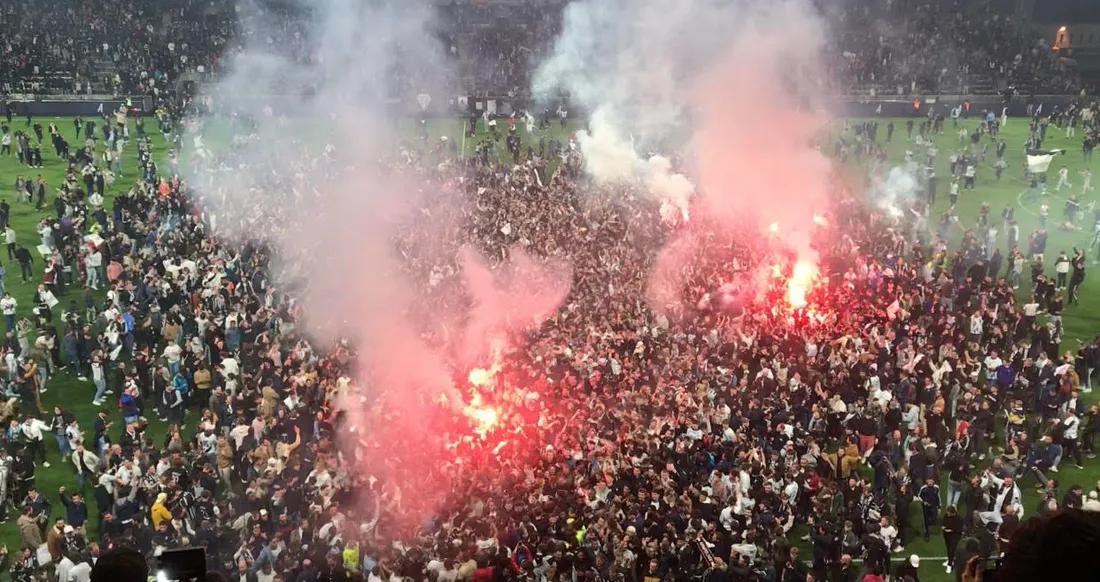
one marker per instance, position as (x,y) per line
(1061,269)
(100,438)
(93,262)
(23,256)
(9,240)
(1071,424)
(172,404)
(28,381)
(952,534)
(8,304)
(1077,277)
(44,302)
(929,497)
(58,425)
(99,378)
(34,434)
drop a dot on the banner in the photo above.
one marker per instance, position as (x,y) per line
(1039,160)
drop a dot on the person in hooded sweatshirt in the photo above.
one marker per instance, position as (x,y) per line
(158,512)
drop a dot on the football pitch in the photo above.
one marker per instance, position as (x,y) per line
(1081,321)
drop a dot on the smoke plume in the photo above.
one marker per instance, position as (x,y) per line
(369,246)
(731,83)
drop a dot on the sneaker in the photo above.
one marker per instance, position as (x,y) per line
(1054,469)
(1091,455)
(1078,466)
(82,378)
(45,463)
(949,568)
(41,390)
(109,392)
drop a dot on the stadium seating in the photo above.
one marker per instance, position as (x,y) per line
(141,46)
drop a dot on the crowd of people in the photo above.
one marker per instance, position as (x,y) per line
(634,442)
(133,47)
(945,46)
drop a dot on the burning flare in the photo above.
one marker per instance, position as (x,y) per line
(484,418)
(799,284)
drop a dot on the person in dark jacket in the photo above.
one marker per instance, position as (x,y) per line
(825,546)
(23,256)
(952,533)
(1074,498)
(76,512)
(929,496)
(901,509)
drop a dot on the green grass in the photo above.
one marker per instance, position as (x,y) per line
(1080,321)
(63,389)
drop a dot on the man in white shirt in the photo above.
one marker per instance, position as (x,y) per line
(8,305)
(1061,268)
(1063,179)
(1072,425)
(992,362)
(127,474)
(81,572)
(65,566)
(93,262)
(171,354)
(34,431)
(977,324)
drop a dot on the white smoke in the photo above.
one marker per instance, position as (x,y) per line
(638,67)
(897,190)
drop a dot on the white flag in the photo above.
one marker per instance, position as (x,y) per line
(1039,162)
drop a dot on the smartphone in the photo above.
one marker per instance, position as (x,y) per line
(991,569)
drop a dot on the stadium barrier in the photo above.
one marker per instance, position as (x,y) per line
(943,104)
(425,105)
(73,105)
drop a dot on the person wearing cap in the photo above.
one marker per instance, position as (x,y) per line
(908,568)
(65,564)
